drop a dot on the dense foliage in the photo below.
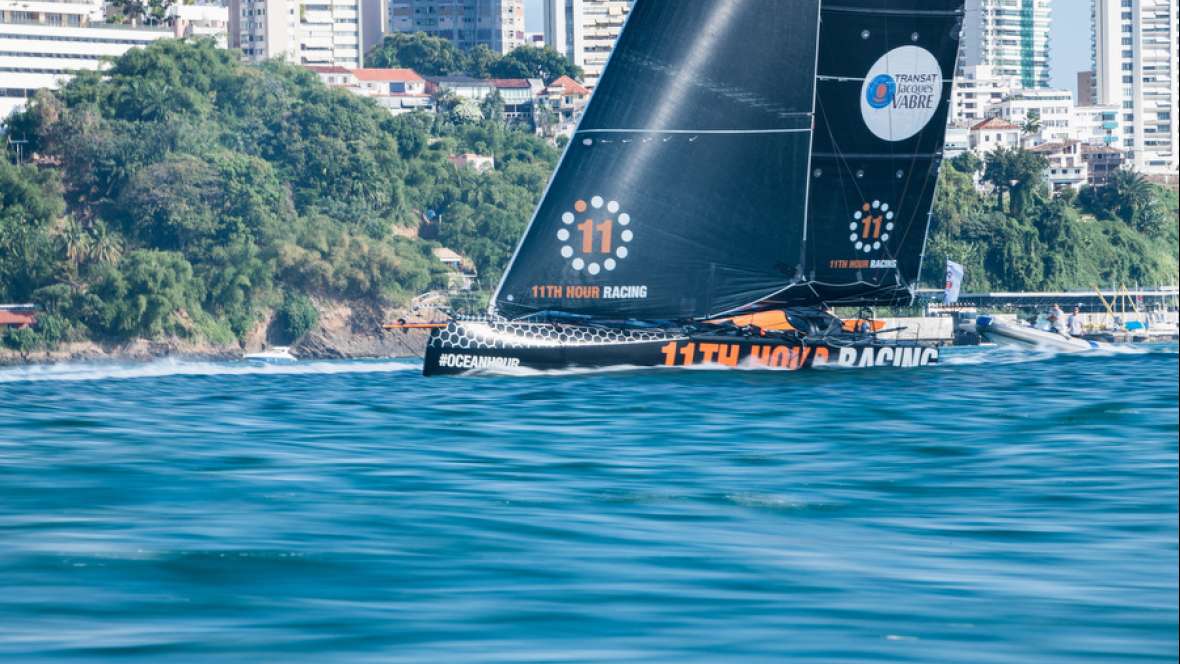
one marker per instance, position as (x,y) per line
(1020,238)
(184,193)
(435,56)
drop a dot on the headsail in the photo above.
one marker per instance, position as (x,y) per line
(682,193)
(883,92)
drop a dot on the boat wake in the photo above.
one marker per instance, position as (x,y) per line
(1022,355)
(84,371)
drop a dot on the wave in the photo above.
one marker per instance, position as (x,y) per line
(85,371)
(992,355)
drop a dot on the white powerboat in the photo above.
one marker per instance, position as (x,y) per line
(1027,336)
(274,355)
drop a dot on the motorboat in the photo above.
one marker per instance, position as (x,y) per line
(1027,336)
(273,355)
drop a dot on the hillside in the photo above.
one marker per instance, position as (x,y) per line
(186,195)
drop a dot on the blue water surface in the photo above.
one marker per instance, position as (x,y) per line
(1003,507)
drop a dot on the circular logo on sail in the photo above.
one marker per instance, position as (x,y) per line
(871,226)
(880,91)
(901,93)
(595,235)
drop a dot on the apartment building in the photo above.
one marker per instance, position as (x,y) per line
(1134,53)
(44,42)
(497,24)
(1010,35)
(308,32)
(585,31)
(1053,109)
(977,89)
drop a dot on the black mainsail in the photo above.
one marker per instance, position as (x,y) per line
(746,154)
(683,190)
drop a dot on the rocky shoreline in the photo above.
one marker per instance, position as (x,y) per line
(345,331)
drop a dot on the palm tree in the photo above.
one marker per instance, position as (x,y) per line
(1032,124)
(107,247)
(75,240)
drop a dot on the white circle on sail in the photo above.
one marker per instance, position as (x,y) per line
(609,264)
(627,235)
(593,269)
(624,219)
(567,218)
(567,251)
(578,264)
(621,252)
(901,93)
(596,202)
(852,238)
(563,235)
(612,207)
(852,226)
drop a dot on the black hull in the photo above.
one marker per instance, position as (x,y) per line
(503,347)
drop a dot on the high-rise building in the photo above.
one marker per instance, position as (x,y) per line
(307,32)
(497,24)
(585,31)
(43,43)
(977,89)
(374,20)
(1085,83)
(1134,60)
(1010,35)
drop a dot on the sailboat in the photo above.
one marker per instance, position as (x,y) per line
(743,167)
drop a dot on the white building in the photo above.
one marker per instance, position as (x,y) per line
(1054,109)
(210,21)
(992,134)
(307,32)
(43,42)
(1097,125)
(1135,70)
(1067,166)
(978,88)
(1010,35)
(497,24)
(396,90)
(585,31)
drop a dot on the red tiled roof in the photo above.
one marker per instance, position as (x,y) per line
(570,87)
(994,123)
(404,75)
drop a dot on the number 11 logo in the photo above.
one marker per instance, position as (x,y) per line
(589,236)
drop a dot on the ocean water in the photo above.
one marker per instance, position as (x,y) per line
(1002,507)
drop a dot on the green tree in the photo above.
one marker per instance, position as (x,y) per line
(427,55)
(1032,123)
(1017,172)
(532,62)
(295,317)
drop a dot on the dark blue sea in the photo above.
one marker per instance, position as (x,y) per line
(1002,507)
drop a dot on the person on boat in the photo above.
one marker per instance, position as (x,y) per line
(1075,323)
(1057,320)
